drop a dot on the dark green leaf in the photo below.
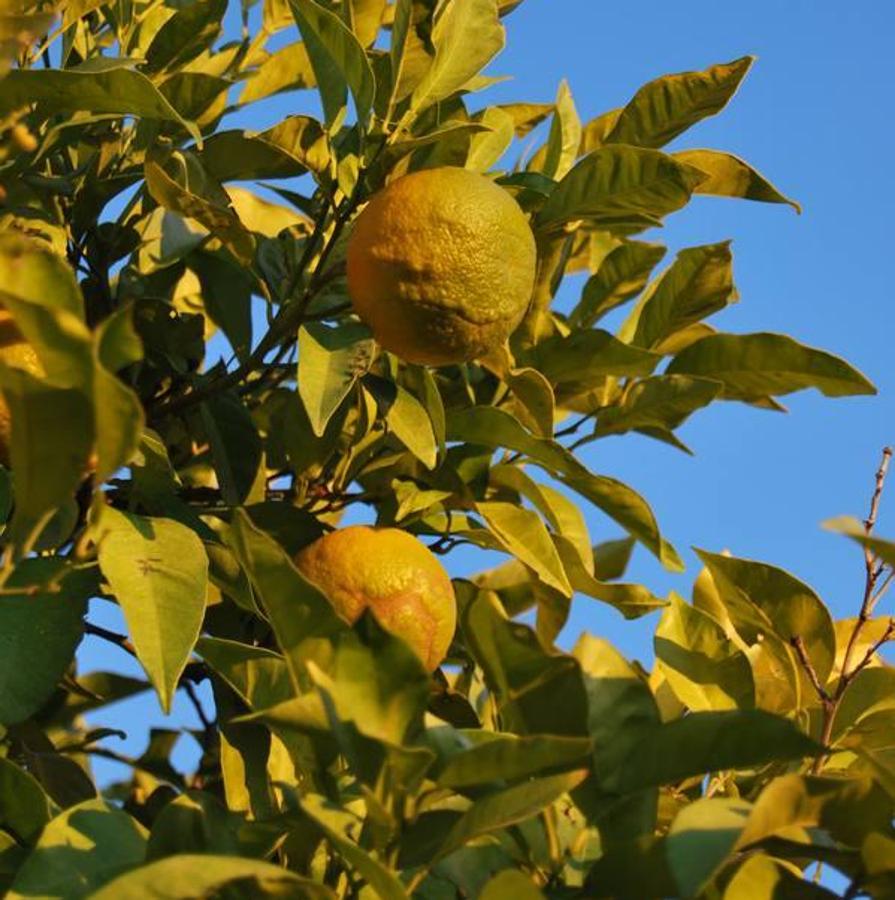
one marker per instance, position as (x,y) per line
(235,445)
(80,851)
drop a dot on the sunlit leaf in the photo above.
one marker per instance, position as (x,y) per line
(751,366)
(664,108)
(619,188)
(158,571)
(730,176)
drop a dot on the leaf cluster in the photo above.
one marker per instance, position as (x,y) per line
(154,470)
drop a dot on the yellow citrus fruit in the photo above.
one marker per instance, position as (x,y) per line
(14,351)
(441,266)
(395,576)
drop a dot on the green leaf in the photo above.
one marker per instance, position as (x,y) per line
(118,410)
(558,155)
(259,676)
(192,29)
(410,423)
(631,600)
(584,357)
(491,427)
(339,825)
(509,807)
(700,840)
(511,883)
(622,275)
(158,571)
(80,851)
(487,147)
(291,147)
(338,60)
(752,366)
(506,757)
(39,632)
(299,614)
(330,362)
(118,91)
(214,212)
(522,532)
(847,808)
(195,822)
(661,401)
(24,807)
(466,36)
(668,106)
(287,69)
(52,434)
(700,743)
(563,514)
(524,676)
(730,176)
(705,669)
(621,189)
(204,875)
(235,445)
(762,600)
(763,878)
(698,283)
(851,527)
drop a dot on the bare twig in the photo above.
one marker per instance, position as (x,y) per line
(113,637)
(799,646)
(873,571)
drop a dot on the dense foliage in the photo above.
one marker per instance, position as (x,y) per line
(139,237)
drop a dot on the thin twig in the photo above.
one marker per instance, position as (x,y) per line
(113,637)
(871,575)
(831,700)
(798,645)
(190,691)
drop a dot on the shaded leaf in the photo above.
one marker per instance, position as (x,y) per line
(79,851)
(705,669)
(235,445)
(330,362)
(39,631)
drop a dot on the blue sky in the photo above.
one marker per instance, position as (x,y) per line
(814,116)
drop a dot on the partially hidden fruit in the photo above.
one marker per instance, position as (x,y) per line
(391,573)
(441,266)
(17,352)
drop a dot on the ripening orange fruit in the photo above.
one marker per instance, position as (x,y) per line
(441,266)
(395,576)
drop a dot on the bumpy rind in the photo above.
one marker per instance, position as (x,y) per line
(391,573)
(441,266)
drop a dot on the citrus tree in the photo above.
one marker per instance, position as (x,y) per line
(215,342)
